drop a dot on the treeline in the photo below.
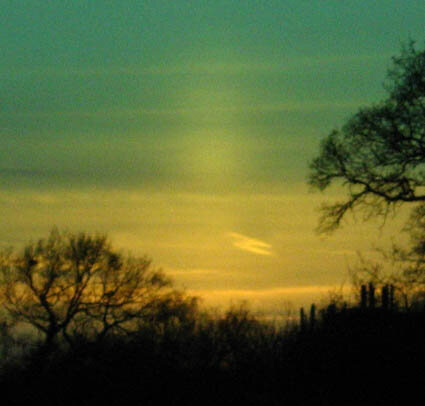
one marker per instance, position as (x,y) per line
(340,354)
(82,324)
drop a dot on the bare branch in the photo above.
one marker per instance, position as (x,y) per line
(378,157)
(77,283)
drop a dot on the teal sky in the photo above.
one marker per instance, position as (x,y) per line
(184,128)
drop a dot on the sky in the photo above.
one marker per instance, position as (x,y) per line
(184,130)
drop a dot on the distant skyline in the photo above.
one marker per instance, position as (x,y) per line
(184,130)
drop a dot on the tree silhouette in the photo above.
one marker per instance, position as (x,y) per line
(73,285)
(379,154)
(401,268)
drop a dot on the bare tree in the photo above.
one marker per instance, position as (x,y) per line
(379,154)
(75,284)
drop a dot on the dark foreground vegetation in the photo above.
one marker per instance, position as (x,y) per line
(82,324)
(371,353)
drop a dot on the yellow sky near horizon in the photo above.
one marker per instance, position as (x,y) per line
(261,249)
(184,131)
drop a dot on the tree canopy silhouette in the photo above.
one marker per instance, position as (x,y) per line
(379,154)
(73,285)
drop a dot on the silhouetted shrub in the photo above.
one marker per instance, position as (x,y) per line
(352,356)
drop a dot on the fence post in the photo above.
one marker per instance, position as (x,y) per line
(371,295)
(303,320)
(363,297)
(385,299)
(312,316)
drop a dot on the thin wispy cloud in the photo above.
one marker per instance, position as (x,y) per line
(118,113)
(196,67)
(249,244)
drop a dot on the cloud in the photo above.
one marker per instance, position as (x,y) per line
(276,293)
(194,67)
(250,244)
(272,301)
